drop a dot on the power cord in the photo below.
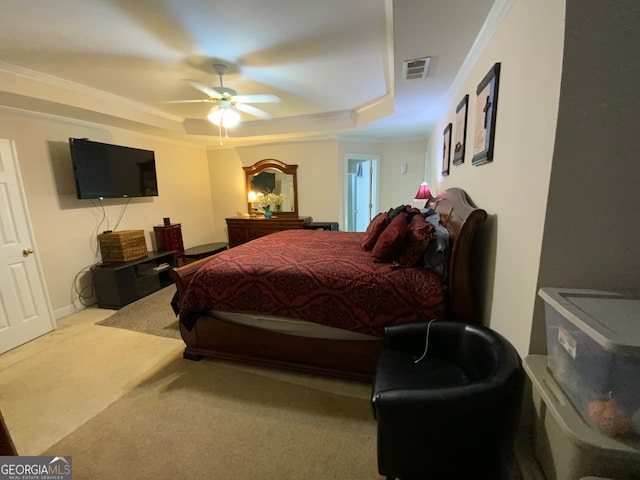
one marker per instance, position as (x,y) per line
(81,294)
(426,345)
(122,210)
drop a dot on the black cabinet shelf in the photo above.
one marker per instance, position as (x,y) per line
(322,226)
(119,283)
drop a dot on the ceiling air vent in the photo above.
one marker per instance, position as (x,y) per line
(415,69)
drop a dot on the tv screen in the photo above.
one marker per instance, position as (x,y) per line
(111,171)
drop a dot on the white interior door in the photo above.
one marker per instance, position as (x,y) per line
(361,191)
(350,219)
(363,196)
(24,309)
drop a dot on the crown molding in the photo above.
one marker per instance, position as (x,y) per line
(78,88)
(498,11)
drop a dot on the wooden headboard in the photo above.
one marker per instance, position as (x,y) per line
(461,218)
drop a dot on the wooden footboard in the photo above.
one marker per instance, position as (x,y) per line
(182,275)
(213,337)
(217,338)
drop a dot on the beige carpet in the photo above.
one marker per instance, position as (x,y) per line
(125,405)
(152,314)
(212,419)
(56,383)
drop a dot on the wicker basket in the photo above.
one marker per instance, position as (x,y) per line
(122,246)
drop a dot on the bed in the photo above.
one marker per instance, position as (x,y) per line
(315,301)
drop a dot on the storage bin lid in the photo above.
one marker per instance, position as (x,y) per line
(611,319)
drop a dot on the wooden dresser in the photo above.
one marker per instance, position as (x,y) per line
(242,230)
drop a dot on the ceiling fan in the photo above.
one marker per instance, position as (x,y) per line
(226,101)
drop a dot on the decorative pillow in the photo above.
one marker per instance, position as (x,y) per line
(375,228)
(411,211)
(394,212)
(389,244)
(417,238)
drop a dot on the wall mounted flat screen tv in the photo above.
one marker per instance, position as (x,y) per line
(102,170)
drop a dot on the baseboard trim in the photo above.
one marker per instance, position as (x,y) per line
(67,310)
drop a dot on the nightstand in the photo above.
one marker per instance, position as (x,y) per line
(169,237)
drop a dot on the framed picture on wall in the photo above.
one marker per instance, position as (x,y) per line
(460,131)
(485,122)
(446,150)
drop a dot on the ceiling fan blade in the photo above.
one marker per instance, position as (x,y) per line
(203,100)
(256,112)
(206,90)
(258,98)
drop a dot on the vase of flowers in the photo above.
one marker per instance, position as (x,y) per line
(271,202)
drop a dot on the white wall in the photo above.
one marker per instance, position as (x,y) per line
(318,174)
(592,226)
(227,181)
(513,188)
(394,187)
(321,175)
(399,188)
(318,177)
(65,227)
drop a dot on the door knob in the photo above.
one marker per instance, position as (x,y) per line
(27,251)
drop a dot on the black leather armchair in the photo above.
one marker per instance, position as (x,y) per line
(452,415)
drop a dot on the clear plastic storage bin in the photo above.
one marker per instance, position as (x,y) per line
(593,352)
(564,445)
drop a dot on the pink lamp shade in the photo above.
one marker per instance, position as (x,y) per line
(424,193)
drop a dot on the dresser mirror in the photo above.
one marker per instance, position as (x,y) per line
(272,185)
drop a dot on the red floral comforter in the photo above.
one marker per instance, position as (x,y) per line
(318,276)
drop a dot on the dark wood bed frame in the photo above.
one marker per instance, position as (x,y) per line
(353,359)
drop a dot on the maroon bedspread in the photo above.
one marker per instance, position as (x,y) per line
(318,276)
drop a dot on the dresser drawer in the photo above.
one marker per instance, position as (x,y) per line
(242,230)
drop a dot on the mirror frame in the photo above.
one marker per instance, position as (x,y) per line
(281,167)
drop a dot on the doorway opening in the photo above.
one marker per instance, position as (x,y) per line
(361,191)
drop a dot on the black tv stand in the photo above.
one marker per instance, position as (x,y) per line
(119,283)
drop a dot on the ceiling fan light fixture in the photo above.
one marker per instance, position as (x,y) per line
(224,117)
